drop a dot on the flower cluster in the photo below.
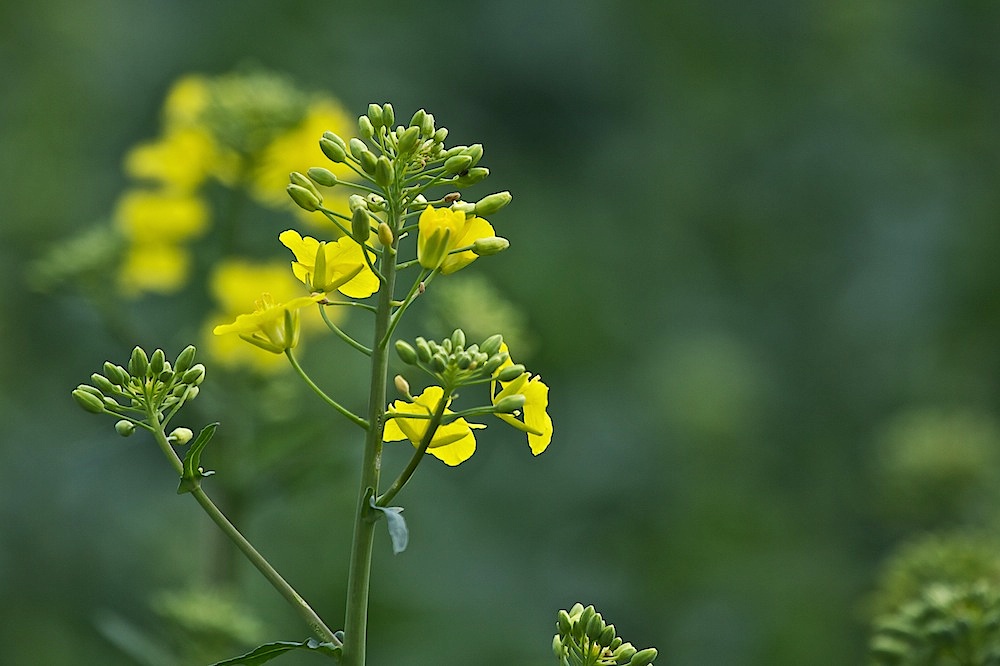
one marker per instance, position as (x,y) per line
(585,639)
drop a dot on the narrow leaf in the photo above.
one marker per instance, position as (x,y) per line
(396,524)
(269,651)
(193,473)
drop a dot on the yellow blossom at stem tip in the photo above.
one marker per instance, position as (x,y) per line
(442,230)
(452,443)
(272,326)
(342,266)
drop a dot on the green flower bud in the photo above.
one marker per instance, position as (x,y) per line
(440,135)
(564,623)
(446,345)
(185,359)
(464,360)
(475,151)
(643,657)
(356,201)
(458,339)
(180,436)
(103,384)
(624,653)
(383,171)
(156,363)
(454,150)
(375,202)
(509,374)
(464,207)
(124,428)
(402,386)
(408,140)
(457,164)
(374,116)
(303,198)
(191,393)
(360,225)
(357,148)
(365,127)
(368,162)
(423,350)
(485,247)
(88,400)
(330,136)
(508,405)
(385,234)
(494,362)
(138,363)
(322,176)
(473,176)
(492,203)
(615,643)
(427,125)
(418,118)
(388,115)
(557,646)
(297,178)
(194,376)
(439,363)
(582,622)
(407,354)
(491,345)
(334,151)
(608,635)
(115,373)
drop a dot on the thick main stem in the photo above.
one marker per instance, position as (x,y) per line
(356,623)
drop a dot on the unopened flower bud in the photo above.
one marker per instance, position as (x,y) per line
(491,245)
(464,360)
(464,207)
(185,359)
(402,386)
(303,198)
(115,373)
(138,363)
(510,404)
(406,352)
(365,128)
(423,350)
(427,125)
(156,363)
(368,162)
(299,179)
(385,234)
(374,116)
(458,339)
(491,345)
(388,115)
(408,140)
(564,623)
(103,384)
(375,202)
(557,647)
(356,201)
(441,134)
(180,436)
(357,147)
(89,401)
(509,374)
(624,653)
(195,375)
(475,151)
(360,225)
(472,176)
(457,164)
(596,625)
(418,118)
(383,171)
(124,428)
(439,363)
(322,176)
(643,657)
(492,203)
(494,362)
(334,151)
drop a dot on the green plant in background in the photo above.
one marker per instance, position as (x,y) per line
(391,227)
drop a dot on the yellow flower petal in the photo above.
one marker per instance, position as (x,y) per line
(452,443)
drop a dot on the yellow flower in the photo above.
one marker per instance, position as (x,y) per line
(234,284)
(182,159)
(153,216)
(452,443)
(297,150)
(344,267)
(535,419)
(442,230)
(153,267)
(272,326)
(187,99)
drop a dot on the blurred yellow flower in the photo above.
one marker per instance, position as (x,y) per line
(153,267)
(345,268)
(535,418)
(186,101)
(147,217)
(181,159)
(442,230)
(452,443)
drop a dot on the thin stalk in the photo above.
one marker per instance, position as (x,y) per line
(359,576)
(351,416)
(343,335)
(280,584)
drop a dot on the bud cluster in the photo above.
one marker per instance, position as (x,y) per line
(149,386)
(584,639)
(454,364)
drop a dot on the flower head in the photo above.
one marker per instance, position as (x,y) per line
(341,266)
(272,326)
(534,419)
(453,443)
(442,230)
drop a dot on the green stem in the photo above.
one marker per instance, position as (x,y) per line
(341,334)
(418,455)
(280,584)
(359,576)
(351,416)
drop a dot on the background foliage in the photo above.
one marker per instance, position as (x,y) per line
(755,246)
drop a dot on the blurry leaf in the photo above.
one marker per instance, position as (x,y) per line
(271,650)
(193,473)
(397,526)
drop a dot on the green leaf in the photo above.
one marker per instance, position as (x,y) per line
(396,524)
(193,473)
(269,651)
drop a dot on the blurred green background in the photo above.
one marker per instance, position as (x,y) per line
(755,245)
